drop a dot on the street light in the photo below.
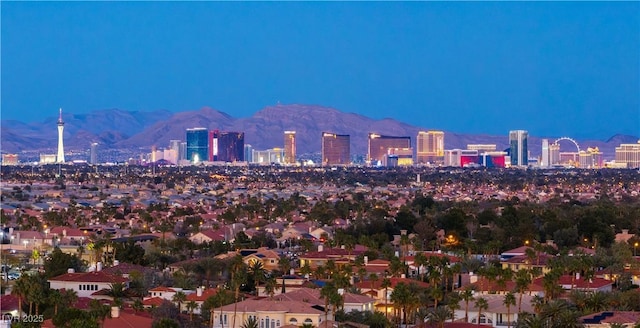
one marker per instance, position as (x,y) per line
(635,249)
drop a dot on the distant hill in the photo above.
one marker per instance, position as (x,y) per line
(115,128)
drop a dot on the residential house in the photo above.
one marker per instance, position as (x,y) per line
(268,257)
(85,284)
(322,256)
(269,314)
(608,318)
(200,296)
(374,289)
(496,314)
(351,302)
(576,282)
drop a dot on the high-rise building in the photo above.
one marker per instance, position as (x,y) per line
(226,146)
(518,145)
(379,146)
(629,154)
(289,147)
(554,154)
(430,147)
(545,153)
(9,159)
(197,145)
(248,153)
(460,157)
(336,149)
(591,158)
(182,153)
(60,156)
(93,153)
(269,156)
(402,156)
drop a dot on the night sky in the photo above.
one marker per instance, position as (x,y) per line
(553,68)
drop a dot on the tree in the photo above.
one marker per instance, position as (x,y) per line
(403,299)
(257,272)
(467,296)
(179,298)
(386,283)
(328,292)
(439,316)
(99,311)
(238,278)
(58,263)
(191,305)
(251,322)
(270,286)
(481,305)
(509,301)
(55,298)
(20,290)
(523,280)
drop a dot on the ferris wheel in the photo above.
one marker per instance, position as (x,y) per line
(567,139)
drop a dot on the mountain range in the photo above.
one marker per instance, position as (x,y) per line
(115,128)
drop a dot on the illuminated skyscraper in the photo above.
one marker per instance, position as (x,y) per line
(554,154)
(226,146)
(197,145)
(60,156)
(93,153)
(289,147)
(545,153)
(629,154)
(430,147)
(336,149)
(248,153)
(519,150)
(379,146)
(591,158)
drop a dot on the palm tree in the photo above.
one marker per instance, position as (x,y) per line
(403,299)
(437,295)
(179,298)
(55,298)
(509,301)
(191,305)
(284,264)
(386,283)
(481,304)
(466,296)
(522,280)
(270,286)
(257,272)
(251,322)
(116,290)
(238,278)
(439,316)
(453,304)
(328,293)
(20,289)
(538,303)
(420,260)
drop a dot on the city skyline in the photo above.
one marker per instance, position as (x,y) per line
(461,67)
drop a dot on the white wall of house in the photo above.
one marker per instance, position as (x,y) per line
(83,289)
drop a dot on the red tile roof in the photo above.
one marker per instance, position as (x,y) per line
(394,282)
(205,294)
(99,276)
(154,301)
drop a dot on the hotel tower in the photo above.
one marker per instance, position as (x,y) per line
(60,157)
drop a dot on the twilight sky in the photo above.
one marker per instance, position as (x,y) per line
(555,69)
